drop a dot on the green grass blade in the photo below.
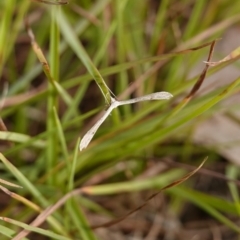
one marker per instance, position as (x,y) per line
(8,232)
(80,220)
(35,229)
(31,188)
(52,148)
(4,30)
(138,185)
(76,45)
(232,172)
(206,207)
(21,138)
(159,25)
(61,135)
(73,167)
(195,18)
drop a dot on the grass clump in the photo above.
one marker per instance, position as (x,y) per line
(61,66)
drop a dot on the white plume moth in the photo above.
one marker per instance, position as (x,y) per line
(114,104)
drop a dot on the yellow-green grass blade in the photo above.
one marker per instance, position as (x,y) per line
(79,220)
(4,30)
(8,232)
(21,138)
(233,172)
(138,185)
(61,136)
(187,194)
(34,229)
(39,141)
(33,190)
(73,167)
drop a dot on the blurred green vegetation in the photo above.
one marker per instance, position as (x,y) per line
(124,46)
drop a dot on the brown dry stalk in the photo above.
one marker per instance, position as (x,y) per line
(155,67)
(173,184)
(47,212)
(9,183)
(235,54)
(50,210)
(201,78)
(51,2)
(203,171)
(2,125)
(23,97)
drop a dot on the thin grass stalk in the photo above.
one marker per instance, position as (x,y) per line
(4,30)
(233,172)
(17,24)
(122,82)
(196,16)
(159,25)
(52,95)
